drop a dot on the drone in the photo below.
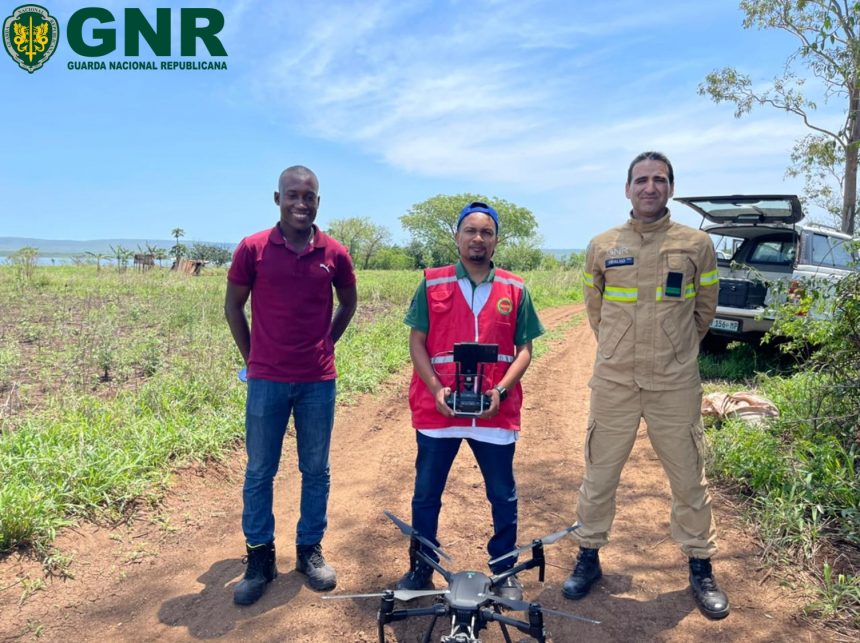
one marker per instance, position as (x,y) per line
(470,600)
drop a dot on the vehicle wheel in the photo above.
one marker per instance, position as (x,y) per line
(714,344)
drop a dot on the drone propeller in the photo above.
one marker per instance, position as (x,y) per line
(399,594)
(546,540)
(408,530)
(521,606)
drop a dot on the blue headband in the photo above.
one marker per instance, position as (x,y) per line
(477,206)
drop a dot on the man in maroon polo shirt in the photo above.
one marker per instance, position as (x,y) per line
(289,272)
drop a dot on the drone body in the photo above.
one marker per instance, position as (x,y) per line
(470,599)
(468,590)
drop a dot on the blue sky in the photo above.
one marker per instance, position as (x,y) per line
(390,102)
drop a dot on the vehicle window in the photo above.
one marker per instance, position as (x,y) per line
(726,246)
(776,252)
(830,251)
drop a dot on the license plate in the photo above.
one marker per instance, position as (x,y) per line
(730,325)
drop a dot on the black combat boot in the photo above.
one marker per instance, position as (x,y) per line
(310,562)
(712,601)
(261,571)
(584,575)
(419,574)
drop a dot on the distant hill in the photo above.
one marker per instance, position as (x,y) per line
(61,248)
(68,248)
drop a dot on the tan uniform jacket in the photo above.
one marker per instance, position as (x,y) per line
(648,324)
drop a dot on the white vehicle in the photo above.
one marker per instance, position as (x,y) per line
(759,240)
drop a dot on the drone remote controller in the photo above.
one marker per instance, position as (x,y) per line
(467,398)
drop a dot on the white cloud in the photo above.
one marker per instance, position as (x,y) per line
(528,96)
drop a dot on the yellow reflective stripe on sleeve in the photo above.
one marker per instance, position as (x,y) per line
(626,295)
(588,279)
(709,278)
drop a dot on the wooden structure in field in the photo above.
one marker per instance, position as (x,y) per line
(144,261)
(189,266)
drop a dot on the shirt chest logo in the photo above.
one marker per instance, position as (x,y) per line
(618,251)
(619,261)
(505,306)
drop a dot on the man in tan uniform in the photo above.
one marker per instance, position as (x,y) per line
(651,289)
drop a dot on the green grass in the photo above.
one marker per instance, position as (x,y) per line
(798,473)
(109,380)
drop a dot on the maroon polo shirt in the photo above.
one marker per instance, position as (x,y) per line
(291,303)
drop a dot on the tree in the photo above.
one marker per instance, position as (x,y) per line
(210,253)
(177,249)
(518,256)
(821,162)
(160,256)
(361,236)
(393,258)
(25,260)
(829,48)
(122,255)
(432,224)
(98,257)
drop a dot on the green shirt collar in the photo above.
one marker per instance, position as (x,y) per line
(461,272)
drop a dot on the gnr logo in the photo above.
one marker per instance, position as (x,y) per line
(31,34)
(195,24)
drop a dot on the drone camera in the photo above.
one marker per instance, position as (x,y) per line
(467,398)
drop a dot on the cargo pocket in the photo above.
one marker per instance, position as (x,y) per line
(677,263)
(697,431)
(440,300)
(609,340)
(673,334)
(592,423)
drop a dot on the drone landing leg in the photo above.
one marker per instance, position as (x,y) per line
(386,607)
(503,626)
(429,631)
(536,623)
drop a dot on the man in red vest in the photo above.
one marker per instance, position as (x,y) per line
(471,301)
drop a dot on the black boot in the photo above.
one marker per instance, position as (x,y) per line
(584,575)
(310,562)
(712,601)
(419,574)
(261,571)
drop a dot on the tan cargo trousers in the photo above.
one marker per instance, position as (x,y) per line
(675,429)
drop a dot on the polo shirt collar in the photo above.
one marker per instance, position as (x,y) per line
(277,238)
(463,274)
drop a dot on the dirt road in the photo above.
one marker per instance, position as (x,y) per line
(169,575)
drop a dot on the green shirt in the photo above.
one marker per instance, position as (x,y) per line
(528,325)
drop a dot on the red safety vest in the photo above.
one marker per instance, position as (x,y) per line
(452,321)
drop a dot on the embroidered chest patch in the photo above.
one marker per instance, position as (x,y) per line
(505,306)
(619,261)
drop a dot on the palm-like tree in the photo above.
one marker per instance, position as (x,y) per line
(98,256)
(176,233)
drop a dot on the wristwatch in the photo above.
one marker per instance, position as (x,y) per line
(503,392)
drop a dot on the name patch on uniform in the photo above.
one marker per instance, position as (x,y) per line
(619,261)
